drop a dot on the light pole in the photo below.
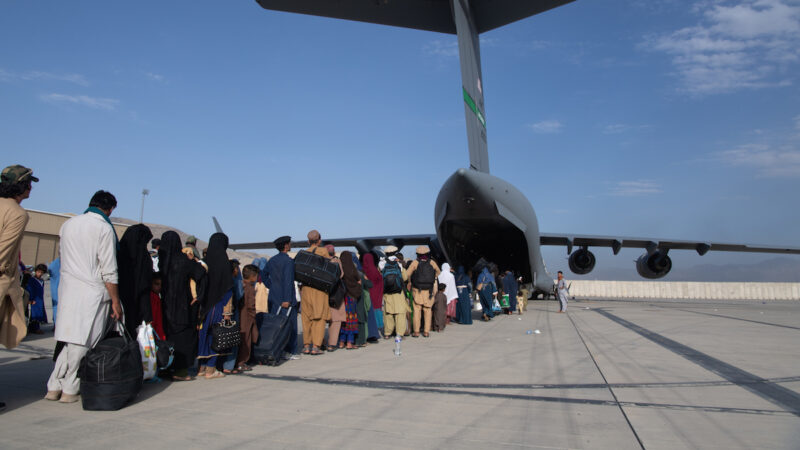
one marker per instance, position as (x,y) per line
(141,213)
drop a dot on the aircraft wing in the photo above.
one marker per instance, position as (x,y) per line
(362,243)
(651,244)
(430,15)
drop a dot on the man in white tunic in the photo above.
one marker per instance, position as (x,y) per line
(87,292)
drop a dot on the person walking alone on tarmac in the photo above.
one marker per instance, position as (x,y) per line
(562,291)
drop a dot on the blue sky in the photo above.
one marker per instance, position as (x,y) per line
(623,117)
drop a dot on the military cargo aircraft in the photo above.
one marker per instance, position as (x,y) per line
(478,214)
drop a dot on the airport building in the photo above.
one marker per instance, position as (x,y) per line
(40,239)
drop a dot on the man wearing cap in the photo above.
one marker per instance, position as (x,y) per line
(191,242)
(88,291)
(282,293)
(15,186)
(395,305)
(315,305)
(423,297)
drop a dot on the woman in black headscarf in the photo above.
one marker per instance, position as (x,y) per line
(352,284)
(180,306)
(217,303)
(135,268)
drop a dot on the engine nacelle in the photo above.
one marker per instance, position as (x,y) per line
(581,261)
(654,265)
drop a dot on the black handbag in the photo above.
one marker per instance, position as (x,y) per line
(225,335)
(165,352)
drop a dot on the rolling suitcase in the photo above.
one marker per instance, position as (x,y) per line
(275,333)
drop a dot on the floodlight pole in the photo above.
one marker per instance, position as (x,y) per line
(141,212)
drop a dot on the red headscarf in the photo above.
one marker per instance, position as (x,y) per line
(374,275)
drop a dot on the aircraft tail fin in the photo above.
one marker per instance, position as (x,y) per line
(465,18)
(216,224)
(469,53)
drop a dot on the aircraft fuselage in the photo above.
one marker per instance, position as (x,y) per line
(479,215)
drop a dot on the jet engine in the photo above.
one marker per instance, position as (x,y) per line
(654,265)
(581,261)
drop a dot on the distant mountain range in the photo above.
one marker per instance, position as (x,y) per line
(158,230)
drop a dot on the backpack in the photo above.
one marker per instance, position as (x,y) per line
(392,278)
(424,277)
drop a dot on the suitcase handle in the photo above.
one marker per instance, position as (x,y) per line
(288,311)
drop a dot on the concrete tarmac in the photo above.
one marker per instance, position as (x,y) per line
(607,374)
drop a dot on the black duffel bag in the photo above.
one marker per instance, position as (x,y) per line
(111,373)
(316,271)
(225,335)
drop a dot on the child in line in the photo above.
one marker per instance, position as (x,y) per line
(440,309)
(247,319)
(35,288)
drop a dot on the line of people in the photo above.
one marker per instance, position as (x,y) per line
(182,292)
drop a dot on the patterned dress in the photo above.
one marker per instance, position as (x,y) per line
(350,325)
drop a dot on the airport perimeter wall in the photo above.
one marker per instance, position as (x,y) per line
(684,290)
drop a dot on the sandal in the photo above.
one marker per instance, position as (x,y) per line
(232,371)
(426,335)
(415,335)
(177,378)
(307,350)
(214,374)
(244,368)
(316,351)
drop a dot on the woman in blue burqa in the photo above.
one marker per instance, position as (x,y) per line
(464,305)
(486,288)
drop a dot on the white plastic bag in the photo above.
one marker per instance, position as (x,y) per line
(147,345)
